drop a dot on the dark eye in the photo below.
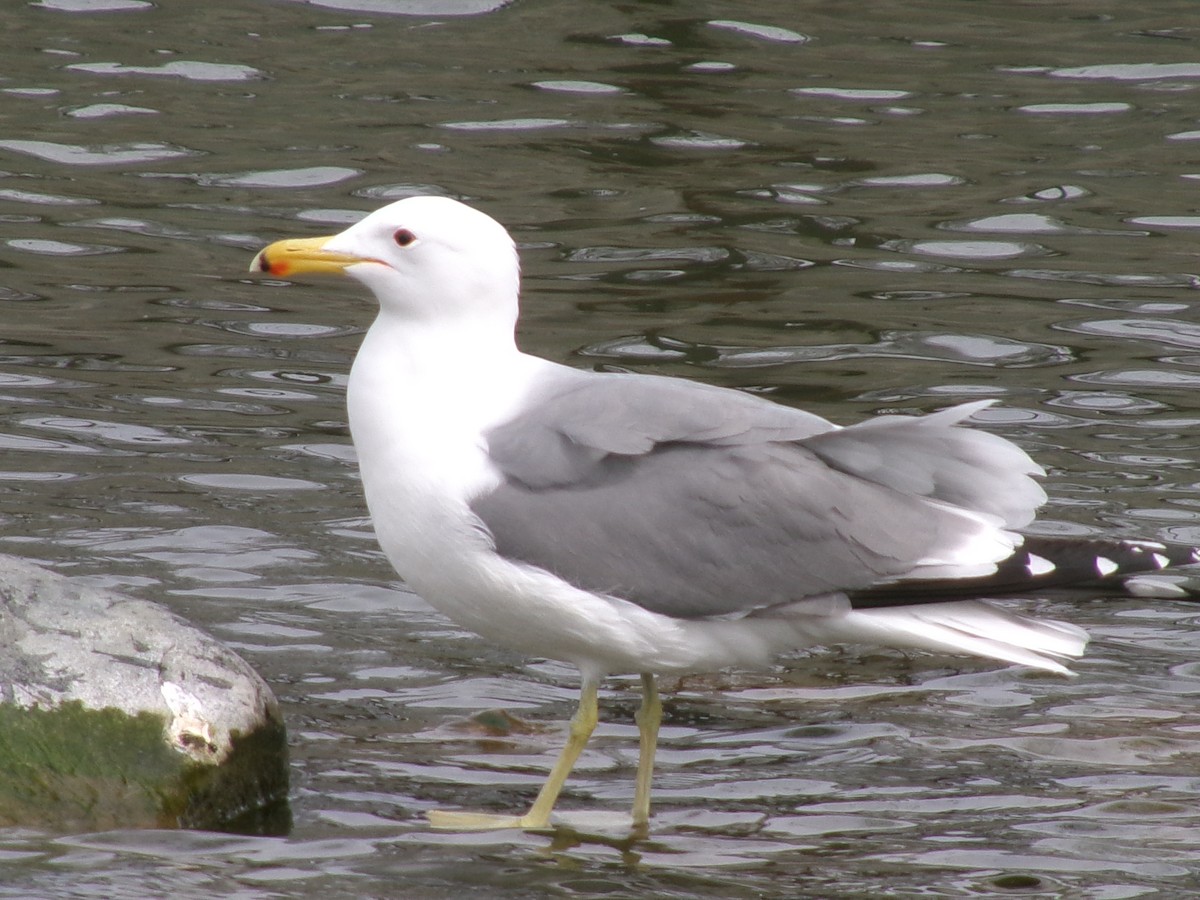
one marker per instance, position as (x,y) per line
(403,237)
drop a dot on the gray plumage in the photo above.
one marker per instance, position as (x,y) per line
(696,501)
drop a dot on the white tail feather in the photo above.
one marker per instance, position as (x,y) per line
(967,626)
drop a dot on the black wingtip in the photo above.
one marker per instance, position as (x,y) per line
(1054,562)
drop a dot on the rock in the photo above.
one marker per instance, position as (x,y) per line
(117,713)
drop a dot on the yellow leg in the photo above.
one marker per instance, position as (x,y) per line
(648,718)
(583,723)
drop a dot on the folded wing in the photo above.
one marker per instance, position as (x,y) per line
(693,501)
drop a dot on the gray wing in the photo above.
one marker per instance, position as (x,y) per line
(692,501)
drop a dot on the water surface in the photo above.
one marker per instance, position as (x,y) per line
(858,211)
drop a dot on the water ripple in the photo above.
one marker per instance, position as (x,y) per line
(1027,223)
(1166,221)
(1075,109)
(1130,71)
(978,349)
(976,250)
(94,6)
(698,140)
(1051,194)
(192,70)
(241,481)
(97,155)
(636,254)
(16,195)
(59,248)
(107,110)
(920,180)
(413,7)
(578,87)
(840,93)
(95,429)
(1168,332)
(521,124)
(763,32)
(1144,378)
(1114,279)
(310,176)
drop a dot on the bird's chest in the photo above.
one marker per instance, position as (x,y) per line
(422,456)
(417,449)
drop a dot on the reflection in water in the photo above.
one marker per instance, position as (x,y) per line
(856,214)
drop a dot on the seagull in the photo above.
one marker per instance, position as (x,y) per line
(635,523)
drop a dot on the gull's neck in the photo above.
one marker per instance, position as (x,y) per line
(421,393)
(430,350)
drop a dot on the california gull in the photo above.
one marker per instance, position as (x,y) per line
(643,524)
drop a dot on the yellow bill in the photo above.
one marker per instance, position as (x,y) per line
(297,256)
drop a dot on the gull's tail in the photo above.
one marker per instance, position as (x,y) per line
(974,627)
(938,614)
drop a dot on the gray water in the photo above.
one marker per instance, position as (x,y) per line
(856,208)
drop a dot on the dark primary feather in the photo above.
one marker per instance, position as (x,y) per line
(695,501)
(1042,563)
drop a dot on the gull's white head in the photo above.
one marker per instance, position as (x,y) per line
(422,257)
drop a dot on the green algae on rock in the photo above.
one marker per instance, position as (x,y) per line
(116,713)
